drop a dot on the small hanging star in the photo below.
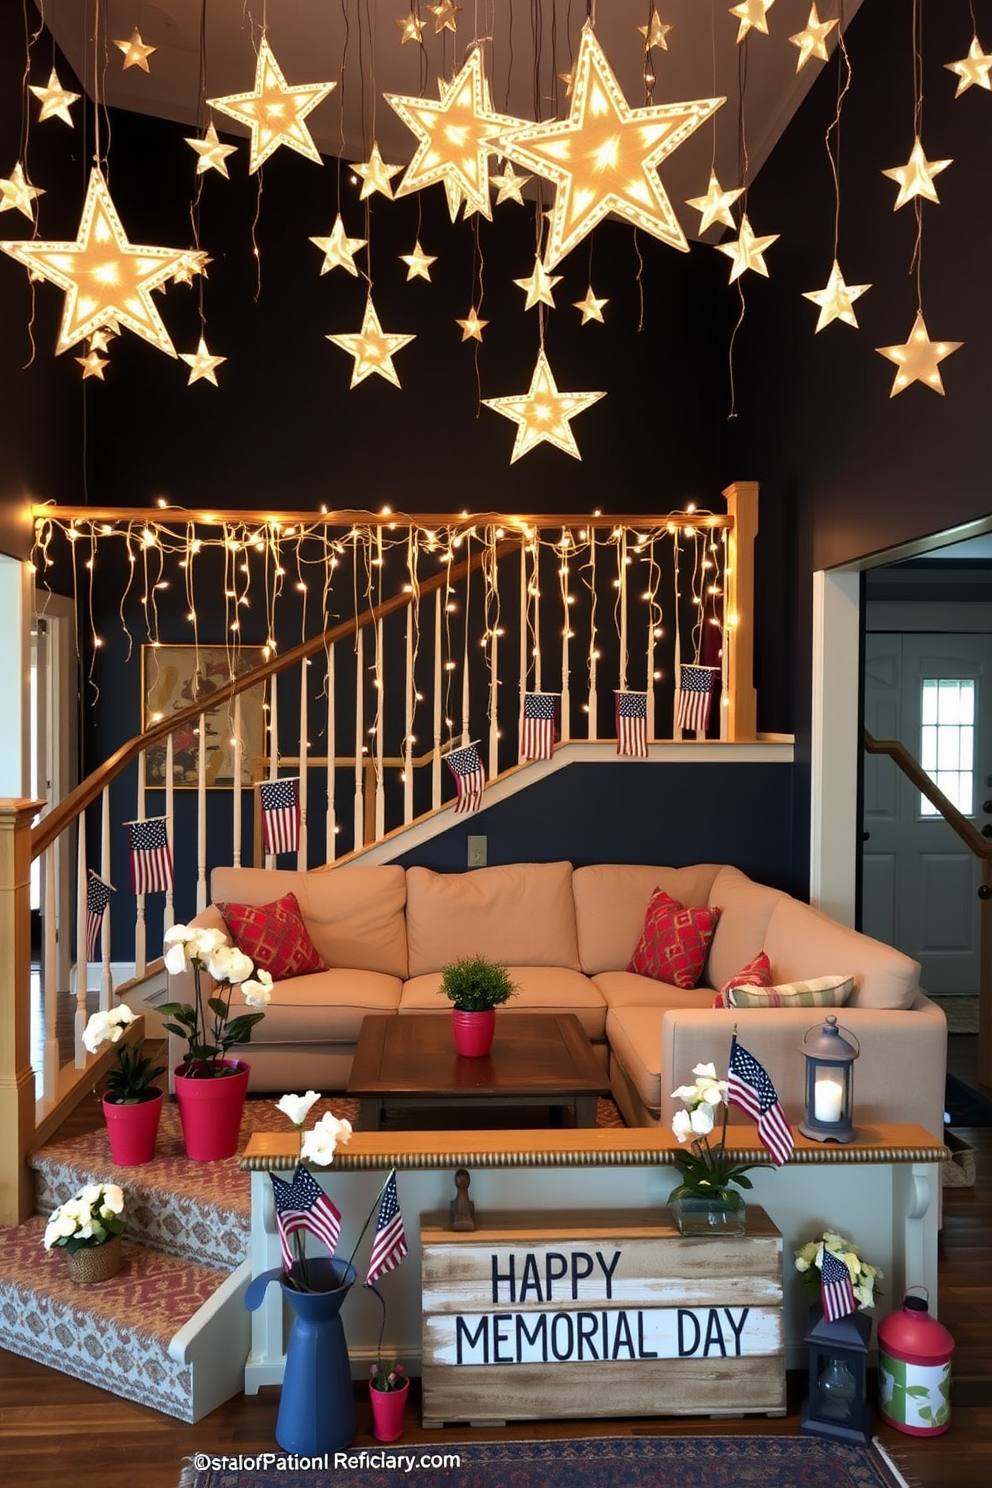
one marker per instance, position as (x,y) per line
(376,175)
(472,326)
(539,286)
(543,414)
(17,192)
(136,54)
(751,13)
(93,364)
(418,263)
(55,100)
(411,29)
(509,185)
(715,205)
(592,309)
(748,252)
(813,41)
(655,32)
(339,250)
(918,358)
(212,154)
(972,70)
(372,348)
(189,265)
(201,364)
(836,299)
(274,112)
(100,338)
(444,14)
(915,178)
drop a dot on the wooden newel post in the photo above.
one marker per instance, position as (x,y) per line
(17,1101)
(742,703)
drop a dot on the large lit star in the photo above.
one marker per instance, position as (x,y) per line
(105,278)
(17,192)
(973,70)
(201,364)
(339,250)
(54,100)
(212,154)
(751,13)
(915,178)
(918,358)
(603,158)
(543,414)
(372,348)
(136,54)
(539,286)
(813,41)
(836,299)
(456,136)
(748,252)
(376,174)
(715,205)
(274,112)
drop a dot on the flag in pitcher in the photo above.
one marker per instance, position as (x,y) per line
(281,813)
(303,1205)
(389,1246)
(632,723)
(537,735)
(470,777)
(98,894)
(695,696)
(151,856)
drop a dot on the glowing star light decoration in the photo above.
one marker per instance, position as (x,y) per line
(973,70)
(715,205)
(106,279)
(543,414)
(455,138)
(17,193)
(274,112)
(136,54)
(813,41)
(592,309)
(655,33)
(418,263)
(918,358)
(372,348)
(54,100)
(444,15)
(603,157)
(201,364)
(836,298)
(212,154)
(915,178)
(376,174)
(539,286)
(748,252)
(93,364)
(411,28)
(752,14)
(339,250)
(472,326)
(509,186)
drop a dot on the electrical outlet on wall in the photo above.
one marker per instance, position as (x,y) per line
(477,852)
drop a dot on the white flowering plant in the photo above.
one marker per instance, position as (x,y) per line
(206,1024)
(90,1218)
(706,1170)
(130,1084)
(809,1262)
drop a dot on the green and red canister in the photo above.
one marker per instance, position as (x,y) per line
(914,1369)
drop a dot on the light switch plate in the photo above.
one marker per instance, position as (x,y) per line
(477,852)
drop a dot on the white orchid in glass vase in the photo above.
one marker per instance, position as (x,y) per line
(206,1024)
(706,1170)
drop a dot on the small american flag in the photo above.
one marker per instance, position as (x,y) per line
(632,723)
(151,858)
(281,813)
(537,736)
(750,1088)
(97,898)
(389,1245)
(695,695)
(303,1205)
(836,1292)
(470,777)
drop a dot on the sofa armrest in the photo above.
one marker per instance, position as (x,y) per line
(898,1077)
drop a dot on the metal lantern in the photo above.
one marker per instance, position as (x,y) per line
(838,1398)
(829,1103)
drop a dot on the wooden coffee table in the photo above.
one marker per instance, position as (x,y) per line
(537,1059)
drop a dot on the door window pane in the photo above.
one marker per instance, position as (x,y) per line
(947,740)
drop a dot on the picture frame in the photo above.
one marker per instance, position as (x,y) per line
(173,677)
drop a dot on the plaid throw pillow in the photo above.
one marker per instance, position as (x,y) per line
(825,991)
(675,942)
(274,936)
(757,973)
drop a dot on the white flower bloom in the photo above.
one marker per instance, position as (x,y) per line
(297,1107)
(226,963)
(320,1141)
(51,1235)
(89,1193)
(258,993)
(113,1198)
(701,1120)
(681,1124)
(685,1093)
(86,1231)
(713,1094)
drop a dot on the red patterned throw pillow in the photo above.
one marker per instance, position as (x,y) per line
(274,936)
(675,941)
(757,973)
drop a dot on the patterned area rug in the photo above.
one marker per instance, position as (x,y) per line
(645,1462)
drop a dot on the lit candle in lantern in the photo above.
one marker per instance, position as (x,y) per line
(828,1100)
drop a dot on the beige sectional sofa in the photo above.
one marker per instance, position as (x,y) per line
(567,936)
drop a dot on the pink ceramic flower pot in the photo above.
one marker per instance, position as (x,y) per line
(210,1110)
(133,1130)
(473,1032)
(388,1410)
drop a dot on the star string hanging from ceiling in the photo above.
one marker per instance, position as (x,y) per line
(655,33)
(372,348)
(211,154)
(274,112)
(752,14)
(17,193)
(918,358)
(54,100)
(418,263)
(715,205)
(105,278)
(748,252)
(812,42)
(973,70)
(376,174)
(915,178)
(543,414)
(339,250)
(136,54)
(603,158)
(201,364)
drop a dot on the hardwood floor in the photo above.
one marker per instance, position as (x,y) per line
(54,1429)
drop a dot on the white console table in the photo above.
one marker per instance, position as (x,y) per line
(882,1191)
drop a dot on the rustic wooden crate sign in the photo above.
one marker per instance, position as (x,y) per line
(534,1316)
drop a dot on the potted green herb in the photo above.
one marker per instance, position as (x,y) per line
(476,986)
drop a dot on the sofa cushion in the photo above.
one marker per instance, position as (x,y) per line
(746,909)
(521,914)
(801,942)
(757,973)
(540,989)
(634,1034)
(626,989)
(610,901)
(326,1007)
(675,941)
(274,936)
(825,991)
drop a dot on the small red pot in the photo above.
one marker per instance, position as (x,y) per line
(210,1110)
(388,1410)
(473,1032)
(133,1130)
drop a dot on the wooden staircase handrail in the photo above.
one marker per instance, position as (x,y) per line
(966,830)
(51,826)
(349,518)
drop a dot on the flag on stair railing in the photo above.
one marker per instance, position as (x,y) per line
(632,722)
(389,1245)
(466,766)
(98,893)
(694,697)
(281,813)
(303,1205)
(540,725)
(151,856)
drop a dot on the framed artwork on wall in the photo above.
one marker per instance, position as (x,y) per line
(173,677)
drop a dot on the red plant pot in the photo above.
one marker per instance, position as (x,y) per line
(210,1110)
(388,1410)
(133,1130)
(473,1032)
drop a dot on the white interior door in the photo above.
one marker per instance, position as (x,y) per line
(920,882)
